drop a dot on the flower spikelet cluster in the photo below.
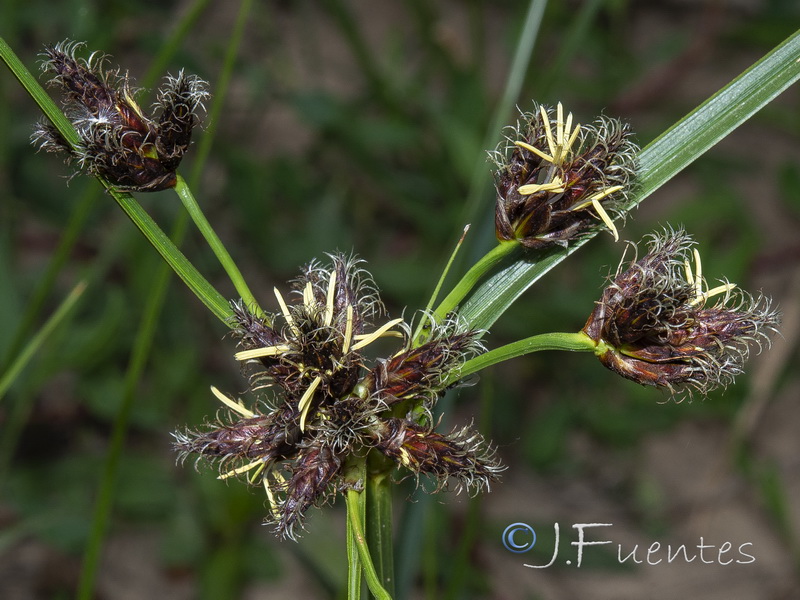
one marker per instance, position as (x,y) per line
(119,141)
(655,324)
(331,404)
(556,180)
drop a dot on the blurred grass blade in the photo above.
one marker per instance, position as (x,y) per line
(139,355)
(174,257)
(147,328)
(34,304)
(659,161)
(16,367)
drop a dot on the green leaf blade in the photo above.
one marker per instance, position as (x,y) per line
(659,162)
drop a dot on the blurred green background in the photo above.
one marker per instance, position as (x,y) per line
(363,126)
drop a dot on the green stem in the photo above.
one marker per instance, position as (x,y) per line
(355,507)
(474,275)
(353,564)
(379,525)
(198,284)
(15,368)
(193,208)
(570,342)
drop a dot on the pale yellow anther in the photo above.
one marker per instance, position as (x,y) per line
(367,339)
(261,352)
(606,219)
(329,300)
(698,273)
(273,506)
(234,406)
(574,135)
(405,457)
(285,310)
(548,133)
(605,192)
(305,402)
(720,289)
(567,126)
(308,295)
(536,151)
(348,330)
(560,125)
(565,136)
(242,469)
(594,200)
(554,186)
(695,279)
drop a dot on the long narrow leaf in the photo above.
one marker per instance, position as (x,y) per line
(659,161)
(17,365)
(185,270)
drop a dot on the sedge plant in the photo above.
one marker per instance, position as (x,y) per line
(325,417)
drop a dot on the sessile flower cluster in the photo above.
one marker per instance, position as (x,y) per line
(331,404)
(119,141)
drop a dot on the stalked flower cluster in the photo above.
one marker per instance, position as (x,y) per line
(332,405)
(118,140)
(556,180)
(654,323)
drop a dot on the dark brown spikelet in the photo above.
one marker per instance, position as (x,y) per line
(308,486)
(463,455)
(652,324)
(267,438)
(556,180)
(118,140)
(422,372)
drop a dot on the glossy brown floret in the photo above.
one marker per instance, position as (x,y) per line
(652,324)
(118,140)
(555,182)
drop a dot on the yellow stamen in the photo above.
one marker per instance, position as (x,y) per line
(348,330)
(308,295)
(606,219)
(594,200)
(242,469)
(696,280)
(330,299)
(605,192)
(560,124)
(273,506)
(548,133)
(234,406)
(698,273)
(257,472)
(261,352)
(405,457)
(720,289)
(554,186)
(536,151)
(285,310)
(369,338)
(574,135)
(305,402)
